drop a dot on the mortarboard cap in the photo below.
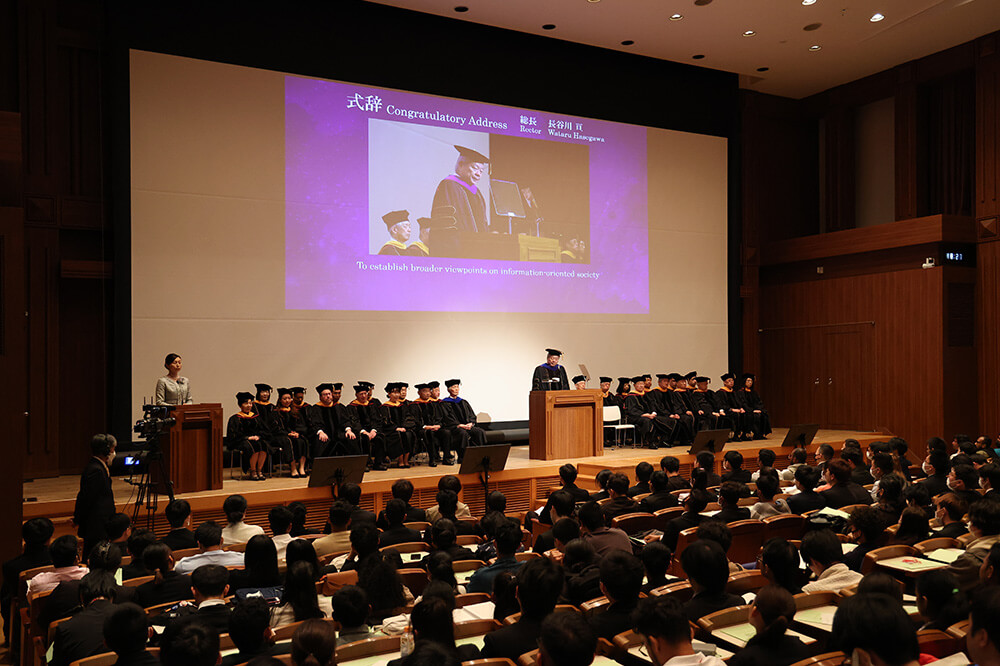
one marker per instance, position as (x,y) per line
(391,386)
(325,386)
(434,384)
(605,379)
(393,218)
(403,385)
(662,376)
(420,387)
(637,378)
(298,389)
(748,375)
(472,155)
(579,378)
(338,385)
(728,375)
(553,352)
(367,385)
(424,222)
(284,391)
(243,396)
(263,387)
(693,373)
(701,379)
(625,380)
(451,382)
(674,376)
(358,388)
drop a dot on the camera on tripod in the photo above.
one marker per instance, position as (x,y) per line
(155,421)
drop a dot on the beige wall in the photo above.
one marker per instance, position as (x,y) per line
(208,264)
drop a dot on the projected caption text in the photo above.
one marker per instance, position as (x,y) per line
(461,270)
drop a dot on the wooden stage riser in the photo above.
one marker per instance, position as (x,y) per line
(526,488)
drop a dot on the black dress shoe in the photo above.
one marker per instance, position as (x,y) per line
(433,463)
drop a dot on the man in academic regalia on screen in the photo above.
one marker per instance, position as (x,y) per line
(550,376)
(397,222)
(421,248)
(460,191)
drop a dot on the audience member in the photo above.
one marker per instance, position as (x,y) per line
(767,487)
(913,528)
(339,538)
(732,468)
(604,539)
(660,496)
(989,480)
(989,572)
(797,458)
(823,555)
(378,576)
(260,566)
(889,498)
(251,633)
(507,539)
(299,514)
(351,610)
(126,632)
(601,479)
(119,528)
(962,480)
(771,614)
(873,629)
(561,507)
(314,643)
(729,499)
(866,528)
(705,460)
(209,538)
(395,532)
(452,483)
(719,532)
(138,541)
(64,600)
(539,583)
(299,600)
(621,582)
(36,534)
(656,560)
(167,584)
(643,472)
(842,491)
(351,493)
(693,506)
(936,467)
(83,634)
(939,600)
(666,632)
(779,563)
(671,466)
(279,520)
(950,511)
(236,531)
(765,459)
(443,537)
(180,536)
(984,525)
(209,586)
(807,499)
(566,640)
(582,572)
(189,644)
(621,503)
(431,620)
(402,489)
(707,569)
(66,565)
(447,509)
(983,639)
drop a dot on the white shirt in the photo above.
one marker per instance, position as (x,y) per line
(696,659)
(281,542)
(240,532)
(835,578)
(226,558)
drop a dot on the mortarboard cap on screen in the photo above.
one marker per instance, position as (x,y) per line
(338,385)
(393,218)
(748,375)
(403,385)
(367,385)
(298,389)
(472,155)
(662,376)
(358,388)
(637,378)
(420,387)
(675,376)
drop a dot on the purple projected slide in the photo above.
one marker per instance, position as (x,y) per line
(398,201)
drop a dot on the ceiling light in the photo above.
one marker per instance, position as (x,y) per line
(628,42)
(763,69)
(749,33)
(593,0)
(808,2)
(815,47)
(876,17)
(461,9)
(549,26)
(702,3)
(697,57)
(676,17)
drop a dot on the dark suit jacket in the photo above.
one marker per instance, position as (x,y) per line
(413,515)
(677,483)
(513,640)
(782,652)
(180,539)
(138,659)
(244,657)
(82,635)
(861,476)
(402,534)
(639,488)
(11,571)
(936,484)
(578,493)
(807,501)
(845,494)
(619,506)
(134,570)
(65,601)
(657,501)
(676,525)
(544,542)
(95,502)
(731,514)
(215,616)
(361,515)
(740,476)
(613,621)
(951,530)
(175,587)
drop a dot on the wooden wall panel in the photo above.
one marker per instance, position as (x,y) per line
(42,271)
(988,340)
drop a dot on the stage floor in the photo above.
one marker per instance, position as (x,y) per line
(58,492)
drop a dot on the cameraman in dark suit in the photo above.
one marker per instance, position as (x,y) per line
(95,503)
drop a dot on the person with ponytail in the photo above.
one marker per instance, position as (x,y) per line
(940,601)
(771,614)
(236,531)
(167,585)
(314,643)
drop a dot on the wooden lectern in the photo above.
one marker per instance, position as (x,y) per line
(192,449)
(565,424)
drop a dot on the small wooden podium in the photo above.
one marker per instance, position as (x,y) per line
(192,450)
(565,424)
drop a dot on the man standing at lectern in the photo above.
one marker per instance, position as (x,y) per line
(550,376)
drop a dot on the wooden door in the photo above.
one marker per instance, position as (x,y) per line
(849,362)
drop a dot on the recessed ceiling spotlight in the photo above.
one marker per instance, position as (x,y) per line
(461,9)
(808,2)
(593,0)
(815,47)
(763,69)
(749,33)
(549,26)
(699,56)
(876,17)
(628,42)
(676,17)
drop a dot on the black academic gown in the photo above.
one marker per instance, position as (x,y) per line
(468,201)
(283,423)
(394,416)
(334,422)
(658,400)
(704,402)
(438,443)
(545,372)
(759,423)
(368,416)
(464,413)
(678,404)
(238,431)
(729,399)
(635,407)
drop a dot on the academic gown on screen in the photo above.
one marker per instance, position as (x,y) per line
(468,201)
(546,371)
(393,248)
(417,249)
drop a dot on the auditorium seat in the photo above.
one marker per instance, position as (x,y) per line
(468,540)
(742,582)
(103,659)
(368,647)
(960,629)
(825,659)
(928,545)
(680,589)
(787,526)
(469,598)
(285,631)
(419,525)
(479,627)
(136,582)
(939,643)
(492,661)
(748,535)
(886,552)
(632,523)
(513,618)
(334,581)
(664,516)
(415,580)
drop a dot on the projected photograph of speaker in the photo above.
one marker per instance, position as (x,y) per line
(442,192)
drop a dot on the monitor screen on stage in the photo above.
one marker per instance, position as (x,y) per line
(294,230)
